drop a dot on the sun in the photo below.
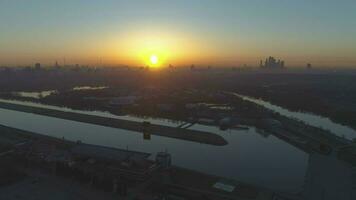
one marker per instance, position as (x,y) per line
(154,59)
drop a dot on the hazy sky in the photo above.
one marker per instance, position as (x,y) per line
(181,32)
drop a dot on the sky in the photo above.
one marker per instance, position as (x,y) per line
(178,32)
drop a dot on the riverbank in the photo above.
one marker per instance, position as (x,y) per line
(153,129)
(172,181)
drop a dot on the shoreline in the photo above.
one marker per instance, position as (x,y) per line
(153,129)
(176,180)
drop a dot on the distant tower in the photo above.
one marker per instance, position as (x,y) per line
(38,66)
(266,63)
(272,63)
(309,66)
(56,64)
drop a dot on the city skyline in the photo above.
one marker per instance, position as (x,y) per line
(210,32)
(178,99)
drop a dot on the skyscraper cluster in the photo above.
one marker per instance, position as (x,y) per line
(272,63)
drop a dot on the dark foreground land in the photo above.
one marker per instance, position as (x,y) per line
(40,167)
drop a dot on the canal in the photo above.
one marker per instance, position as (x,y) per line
(250,157)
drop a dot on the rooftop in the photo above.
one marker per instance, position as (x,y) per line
(107,153)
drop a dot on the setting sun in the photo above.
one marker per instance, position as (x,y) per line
(154,59)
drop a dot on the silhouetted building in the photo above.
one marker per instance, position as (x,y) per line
(309,66)
(272,63)
(38,66)
(56,65)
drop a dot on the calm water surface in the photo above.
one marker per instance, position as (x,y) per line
(308,118)
(249,156)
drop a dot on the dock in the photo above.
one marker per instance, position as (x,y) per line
(147,128)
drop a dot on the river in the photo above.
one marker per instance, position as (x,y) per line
(249,157)
(308,118)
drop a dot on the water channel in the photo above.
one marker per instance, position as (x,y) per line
(249,156)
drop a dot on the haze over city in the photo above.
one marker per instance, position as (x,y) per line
(208,32)
(177,100)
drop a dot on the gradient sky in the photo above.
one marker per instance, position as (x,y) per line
(205,32)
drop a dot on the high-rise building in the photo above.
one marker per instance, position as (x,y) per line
(56,64)
(272,63)
(38,66)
